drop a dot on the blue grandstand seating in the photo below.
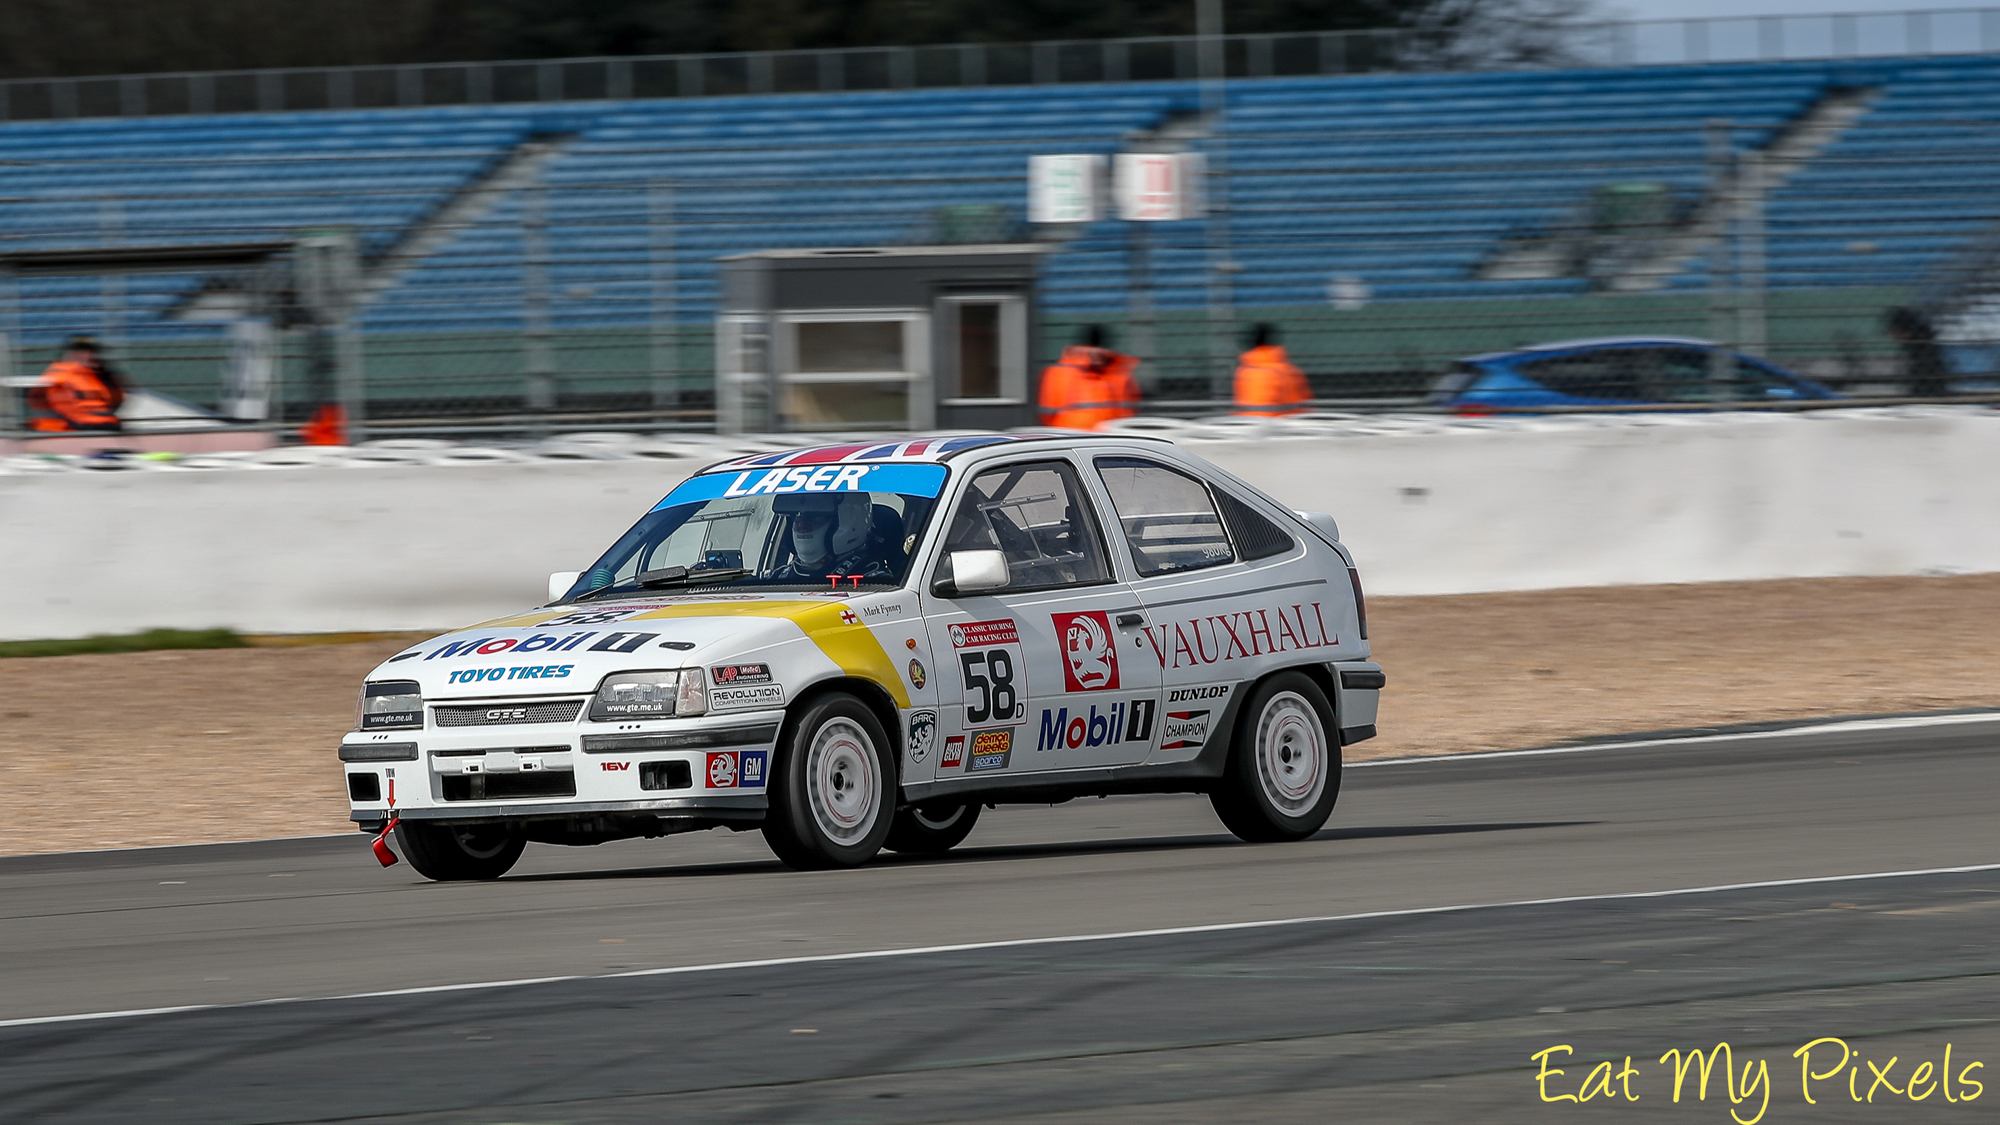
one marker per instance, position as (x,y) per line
(1405,181)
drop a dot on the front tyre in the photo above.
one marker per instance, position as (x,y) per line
(1284,768)
(933,828)
(831,785)
(453,852)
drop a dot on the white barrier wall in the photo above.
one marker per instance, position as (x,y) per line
(1427,507)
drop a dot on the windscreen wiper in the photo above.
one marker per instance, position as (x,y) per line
(668,576)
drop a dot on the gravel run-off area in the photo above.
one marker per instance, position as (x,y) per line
(158,748)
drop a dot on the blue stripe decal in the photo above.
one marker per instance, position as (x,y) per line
(907,480)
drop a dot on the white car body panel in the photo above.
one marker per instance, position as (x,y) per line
(1148,707)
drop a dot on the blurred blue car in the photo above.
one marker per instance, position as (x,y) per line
(1613,371)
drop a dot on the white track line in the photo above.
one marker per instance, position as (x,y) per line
(1845,726)
(916,951)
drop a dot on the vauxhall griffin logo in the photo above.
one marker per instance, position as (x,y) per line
(1090,659)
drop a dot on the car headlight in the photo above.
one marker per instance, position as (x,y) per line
(390,705)
(656,694)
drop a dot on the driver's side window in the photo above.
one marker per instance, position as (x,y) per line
(1036,515)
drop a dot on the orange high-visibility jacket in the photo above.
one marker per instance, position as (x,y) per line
(1078,394)
(78,396)
(1268,385)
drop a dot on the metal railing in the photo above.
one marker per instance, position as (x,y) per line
(1618,43)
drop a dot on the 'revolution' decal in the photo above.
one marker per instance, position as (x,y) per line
(990,750)
(923,734)
(751,697)
(1090,659)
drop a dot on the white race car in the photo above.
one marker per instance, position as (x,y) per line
(858,646)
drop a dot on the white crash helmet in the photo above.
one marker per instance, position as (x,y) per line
(821,540)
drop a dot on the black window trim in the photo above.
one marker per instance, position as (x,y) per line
(1080,490)
(1235,549)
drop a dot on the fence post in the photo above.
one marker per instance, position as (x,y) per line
(666,335)
(1721,298)
(110,232)
(539,389)
(1214,104)
(11,401)
(1750,324)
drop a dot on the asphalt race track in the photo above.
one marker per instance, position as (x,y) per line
(1437,965)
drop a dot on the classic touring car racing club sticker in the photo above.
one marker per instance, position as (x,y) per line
(993,671)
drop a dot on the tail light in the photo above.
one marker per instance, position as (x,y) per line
(1360,602)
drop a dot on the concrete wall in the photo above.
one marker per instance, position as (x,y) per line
(1426,507)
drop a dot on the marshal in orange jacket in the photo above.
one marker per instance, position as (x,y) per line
(1087,387)
(78,396)
(1268,385)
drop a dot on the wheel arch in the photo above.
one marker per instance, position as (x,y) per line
(873,696)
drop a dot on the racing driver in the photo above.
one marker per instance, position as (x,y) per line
(831,535)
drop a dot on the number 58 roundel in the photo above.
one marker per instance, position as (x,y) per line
(993,670)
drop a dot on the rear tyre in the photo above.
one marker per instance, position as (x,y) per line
(931,829)
(831,786)
(454,852)
(1284,767)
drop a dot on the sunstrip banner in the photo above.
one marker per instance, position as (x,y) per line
(925,448)
(906,480)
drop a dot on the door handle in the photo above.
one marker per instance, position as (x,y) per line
(1130,619)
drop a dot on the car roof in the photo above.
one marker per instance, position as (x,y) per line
(920,450)
(1596,342)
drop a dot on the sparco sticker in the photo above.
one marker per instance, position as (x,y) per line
(1090,660)
(755,697)
(993,671)
(990,750)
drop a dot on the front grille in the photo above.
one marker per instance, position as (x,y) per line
(494,714)
(507,786)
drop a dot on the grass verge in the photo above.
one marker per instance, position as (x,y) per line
(147,641)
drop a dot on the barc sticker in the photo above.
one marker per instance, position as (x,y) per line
(923,734)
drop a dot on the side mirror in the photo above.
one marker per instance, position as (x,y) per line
(974,571)
(561,581)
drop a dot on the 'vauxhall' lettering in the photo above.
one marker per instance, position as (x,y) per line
(1230,636)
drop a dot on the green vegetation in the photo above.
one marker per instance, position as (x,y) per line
(150,640)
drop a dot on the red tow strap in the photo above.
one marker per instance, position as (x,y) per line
(381,844)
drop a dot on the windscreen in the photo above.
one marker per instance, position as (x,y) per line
(804,526)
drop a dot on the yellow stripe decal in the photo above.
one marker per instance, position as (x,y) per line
(851,646)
